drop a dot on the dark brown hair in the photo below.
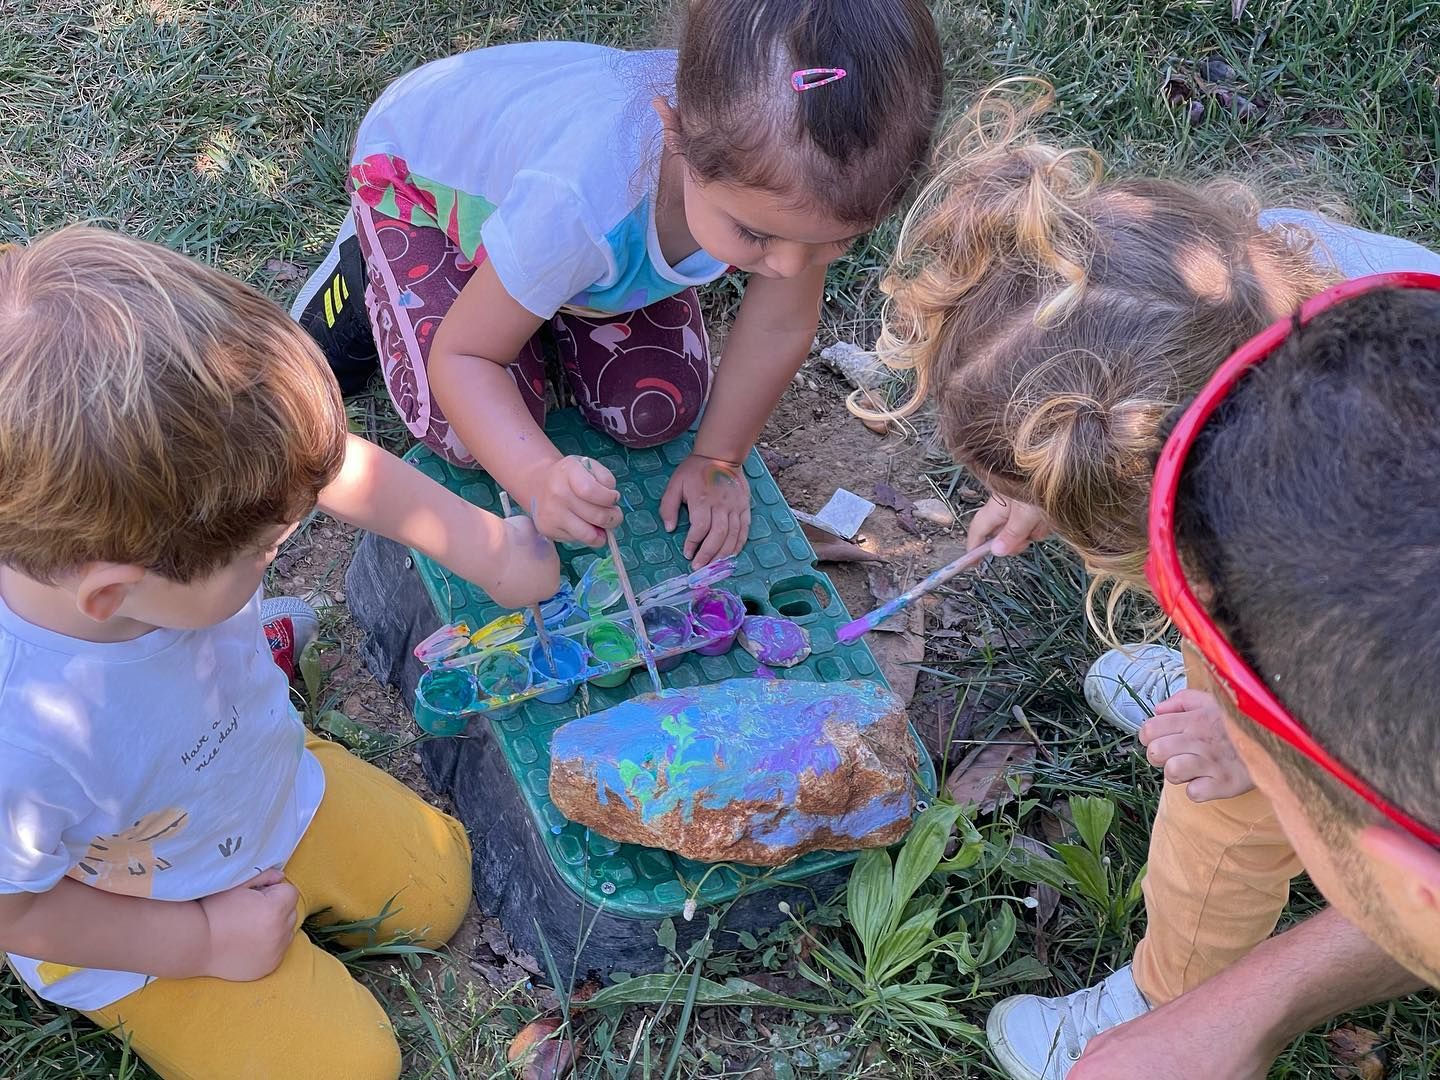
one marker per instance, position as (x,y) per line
(153,411)
(850,148)
(1307,514)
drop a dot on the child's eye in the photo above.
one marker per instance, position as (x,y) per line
(751,237)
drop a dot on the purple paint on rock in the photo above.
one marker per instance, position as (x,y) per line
(774,642)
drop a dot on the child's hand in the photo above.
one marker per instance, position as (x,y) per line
(250,926)
(718,496)
(1010,523)
(577,502)
(1186,737)
(530,571)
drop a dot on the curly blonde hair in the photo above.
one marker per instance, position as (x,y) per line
(1058,315)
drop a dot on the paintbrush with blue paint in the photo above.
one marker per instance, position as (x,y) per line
(542,635)
(852,631)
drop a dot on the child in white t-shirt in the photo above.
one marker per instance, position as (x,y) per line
(585,192)
(165,823)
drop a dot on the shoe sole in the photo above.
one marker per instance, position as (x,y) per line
(319,280)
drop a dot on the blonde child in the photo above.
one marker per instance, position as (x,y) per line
(569,197)
(165,821)
(1057,316)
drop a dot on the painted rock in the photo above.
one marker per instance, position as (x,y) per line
(774,642)
(756,771)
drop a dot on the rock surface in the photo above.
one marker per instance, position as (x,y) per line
(757,771)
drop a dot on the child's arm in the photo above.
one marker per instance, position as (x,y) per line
(484,330)
(375,490)
(772,336)
(240,934)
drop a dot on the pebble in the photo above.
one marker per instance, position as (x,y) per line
(934,511)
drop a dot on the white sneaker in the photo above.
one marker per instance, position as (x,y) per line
(1038,1038)
(1126,684)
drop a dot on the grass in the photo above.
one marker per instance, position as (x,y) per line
(223,130)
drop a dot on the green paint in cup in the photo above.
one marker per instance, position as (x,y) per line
(611,643)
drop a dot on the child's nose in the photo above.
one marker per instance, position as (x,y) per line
(790,260)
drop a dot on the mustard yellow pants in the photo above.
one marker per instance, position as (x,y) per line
(1218,878)
(373,841)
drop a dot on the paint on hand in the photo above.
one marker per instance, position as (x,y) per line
(774,642)
(718,474)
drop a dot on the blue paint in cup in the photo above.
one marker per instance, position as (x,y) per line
(444,700)
(569,662)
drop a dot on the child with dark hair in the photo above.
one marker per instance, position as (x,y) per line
(558,195)
(1058,315)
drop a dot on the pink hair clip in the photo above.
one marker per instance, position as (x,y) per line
(810,78)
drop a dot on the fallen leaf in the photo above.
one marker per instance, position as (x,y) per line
(841,551)
(1358,1051)
(983,778)
(884,587)
(539,1052)
(283,272)
(901,654)
(776,461)
(494,938)
(890,498)
(1047,897)
(1237,8)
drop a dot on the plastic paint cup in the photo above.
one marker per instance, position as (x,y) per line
(502,674)
(667,628)
(444,700)
(717,614)
(611,643)
(558,611)
(569,660)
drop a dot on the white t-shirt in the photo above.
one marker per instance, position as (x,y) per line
(171,767)
(1354,252)
(542,157)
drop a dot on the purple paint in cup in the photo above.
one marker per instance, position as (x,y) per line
(667,628)
(717,614)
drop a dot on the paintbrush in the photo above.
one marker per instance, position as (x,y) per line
(645,647)
(863,625)
(541,635)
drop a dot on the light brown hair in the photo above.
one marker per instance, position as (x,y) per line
(1058,315)
(153,411)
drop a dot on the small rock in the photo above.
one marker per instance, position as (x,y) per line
(757,771)
(854,364)
(934,511)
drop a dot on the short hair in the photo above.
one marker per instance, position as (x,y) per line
(153,411)
(1307,510)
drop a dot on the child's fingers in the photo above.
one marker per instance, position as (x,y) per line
(722,534)
(701,516)
(1206,789)
(1163,724)
(265,878)
(1184,768)
(1161,750)
(670,504)
(988,521)
(594,483)
(1184,701)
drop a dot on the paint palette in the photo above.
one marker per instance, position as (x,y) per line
(774,576)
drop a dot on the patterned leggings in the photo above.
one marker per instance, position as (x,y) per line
(640,377)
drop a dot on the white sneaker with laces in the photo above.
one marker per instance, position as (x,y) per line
(1039,1038)
(1126,684)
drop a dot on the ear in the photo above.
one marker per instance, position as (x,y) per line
(1408,860)
(669,120)
(103,587)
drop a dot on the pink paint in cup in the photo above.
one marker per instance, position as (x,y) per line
(717,615)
